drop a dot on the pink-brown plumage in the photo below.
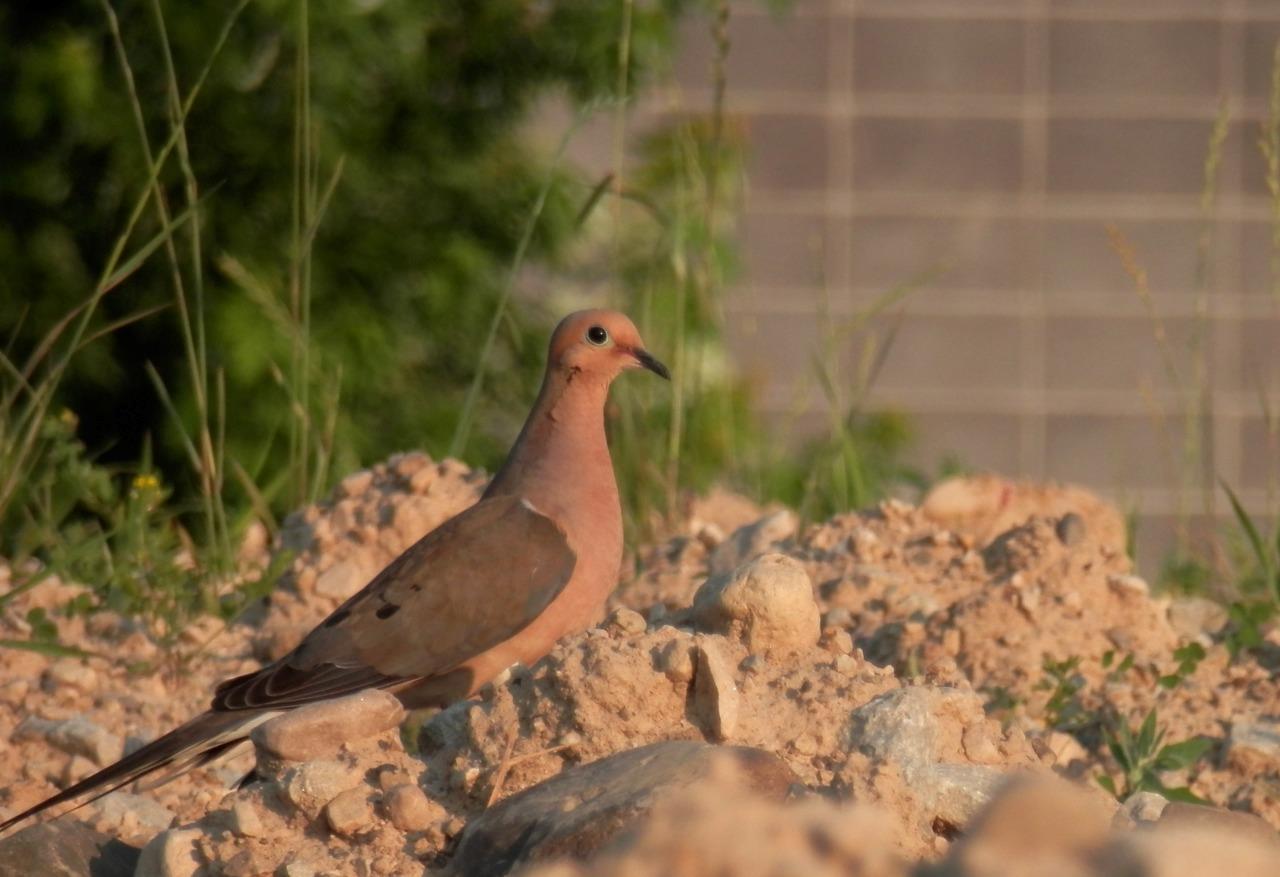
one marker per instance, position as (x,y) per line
(532,562)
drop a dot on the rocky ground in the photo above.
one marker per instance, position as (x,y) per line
(907,691)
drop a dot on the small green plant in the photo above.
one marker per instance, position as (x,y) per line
(1264,574)
(1117,672)
(43,638)
(1188,658)
(1143,756)
(1064,710)
(1247,622)
(1257,576)
(999,702)
(1186,574)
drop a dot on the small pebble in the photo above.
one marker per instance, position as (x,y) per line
(70,673)
(349,812)
(1128,584)
(837,640)
(675,660)
(410,809)
(320,729)
(715,694)
(837,617)
(752,664)
(245,820)
(297,869)
(628,621)
(356,483)
(171,854)
(1070,529)
(311,786)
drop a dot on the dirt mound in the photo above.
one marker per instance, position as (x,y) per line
(925,754)
(63,718)
(901,663)
(342,542)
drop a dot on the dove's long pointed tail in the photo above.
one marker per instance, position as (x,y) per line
(197,742)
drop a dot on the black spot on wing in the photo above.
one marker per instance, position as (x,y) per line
(386,610)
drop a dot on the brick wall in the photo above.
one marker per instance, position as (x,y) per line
(993,140)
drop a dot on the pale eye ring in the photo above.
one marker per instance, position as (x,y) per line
(598,335)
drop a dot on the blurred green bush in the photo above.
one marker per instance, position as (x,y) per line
(423,102)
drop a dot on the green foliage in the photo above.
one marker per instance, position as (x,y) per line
(1064,710)
(1188,657)
(1262,573)
(1185,574)
(1116,671)
(424,104)
(1257,579)
(1143,756)
(1000,702)
(853,466)
(1247,622)
(118,532)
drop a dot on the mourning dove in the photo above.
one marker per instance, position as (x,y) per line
(500,583)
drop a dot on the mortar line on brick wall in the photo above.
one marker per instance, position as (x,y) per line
(778,299)
(1108,11)
(1100,207)
(841,154)
(916,407)
(1227,436)
(1110,404)
(1035,129)
(991,106)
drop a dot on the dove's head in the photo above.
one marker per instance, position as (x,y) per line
(599,344)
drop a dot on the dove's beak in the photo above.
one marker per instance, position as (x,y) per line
(649,361)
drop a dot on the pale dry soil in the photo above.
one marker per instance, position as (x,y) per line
(892,660)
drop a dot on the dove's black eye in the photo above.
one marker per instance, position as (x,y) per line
(597,335)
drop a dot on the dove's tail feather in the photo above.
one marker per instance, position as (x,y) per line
(198,742)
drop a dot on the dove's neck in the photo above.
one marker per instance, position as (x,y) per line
(560,463)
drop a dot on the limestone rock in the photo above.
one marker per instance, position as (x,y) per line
(171,854)
(319,730)
(715,694)
(75,736)
(245,819)
(65,848)
(1254,745)
(752,540)
(1140,809)
(768,603)
(904,727)
(1195,617)
(583,808)
(410,809)
(349,812)
(628,621)
(119,810)
(1031,827)
(309,787)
